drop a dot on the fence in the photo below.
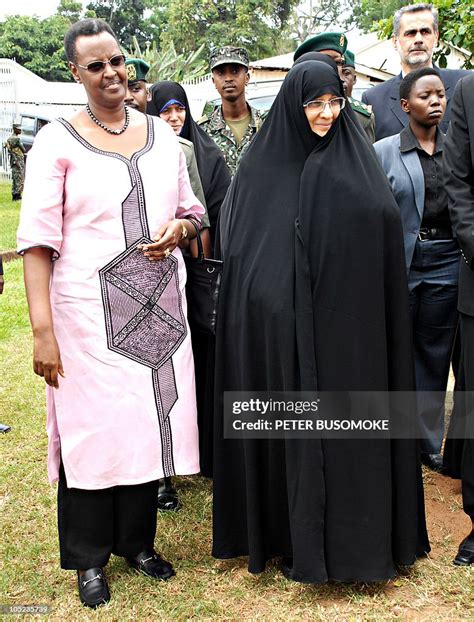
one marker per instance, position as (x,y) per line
(8,112)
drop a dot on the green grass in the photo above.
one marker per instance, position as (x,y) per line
(9,218)
(203,588)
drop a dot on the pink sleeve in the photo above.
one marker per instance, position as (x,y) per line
(188,205)
(41,216)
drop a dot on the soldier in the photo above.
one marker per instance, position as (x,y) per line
(137,93)
(16,151)
(334,44)
(234,123)
(362,111)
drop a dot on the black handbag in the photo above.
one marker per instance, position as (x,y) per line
(202,289)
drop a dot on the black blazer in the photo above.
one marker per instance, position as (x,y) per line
(458,157)
(385,101)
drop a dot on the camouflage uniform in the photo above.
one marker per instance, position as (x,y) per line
(214,124)
(16,151)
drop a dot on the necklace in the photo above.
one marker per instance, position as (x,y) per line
(109,129)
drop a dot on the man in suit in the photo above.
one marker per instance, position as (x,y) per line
(415,35)
(459,184)
(413,162)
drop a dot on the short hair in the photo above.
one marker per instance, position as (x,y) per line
(84,28)
(409,81)
(414,8)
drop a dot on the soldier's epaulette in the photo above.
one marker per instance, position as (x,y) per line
(203,119)
(360,106)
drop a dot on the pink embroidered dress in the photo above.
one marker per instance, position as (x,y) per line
(126,412)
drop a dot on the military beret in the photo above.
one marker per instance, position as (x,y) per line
(336,41)
(229,54)
(349,59)
(137,69)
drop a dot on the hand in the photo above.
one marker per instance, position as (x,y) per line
(166,241)
(47,359)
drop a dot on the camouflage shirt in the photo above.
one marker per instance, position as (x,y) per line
(214,124)
(16,150)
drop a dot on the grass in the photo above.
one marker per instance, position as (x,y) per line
(9,218)
(203,588)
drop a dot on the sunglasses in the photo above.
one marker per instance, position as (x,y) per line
(99,65)
(318,105)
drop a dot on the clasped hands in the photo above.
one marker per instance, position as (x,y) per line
(170,235)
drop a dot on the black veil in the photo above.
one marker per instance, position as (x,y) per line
(314,296)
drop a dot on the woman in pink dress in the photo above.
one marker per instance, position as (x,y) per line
(106,207)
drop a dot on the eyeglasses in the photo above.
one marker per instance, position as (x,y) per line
(318,105)
(99,65)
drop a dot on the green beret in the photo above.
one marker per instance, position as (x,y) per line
(336,41)
(229,55)
(137,69)
(349,59)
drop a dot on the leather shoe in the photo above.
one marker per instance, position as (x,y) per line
(151,564)
(433,461)
(168,500)
(465,556)
(93,588)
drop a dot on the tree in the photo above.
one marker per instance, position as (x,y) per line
(456,26)
(317,16)
(258,25)
(36,44)
(364,13)
(126,18)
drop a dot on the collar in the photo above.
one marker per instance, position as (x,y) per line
(408,141)
(217,121)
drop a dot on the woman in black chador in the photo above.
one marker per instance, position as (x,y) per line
(314,297)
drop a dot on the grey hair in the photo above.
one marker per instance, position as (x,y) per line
(84,28)
(414,8)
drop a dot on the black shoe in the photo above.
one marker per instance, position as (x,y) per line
(168,500)
(151,564)
(93,588)
(433,461)
(465,556)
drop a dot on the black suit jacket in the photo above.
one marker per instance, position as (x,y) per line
(385,101)
(459,182)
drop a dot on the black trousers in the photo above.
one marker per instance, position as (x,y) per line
(467,463)
(92,524)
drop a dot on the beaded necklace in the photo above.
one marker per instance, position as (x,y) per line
(109,129)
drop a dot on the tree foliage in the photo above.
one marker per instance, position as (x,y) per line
(364,13)
(456,26)
(168,64)
(127,19)
(258,25)
(318,16)
(36,44)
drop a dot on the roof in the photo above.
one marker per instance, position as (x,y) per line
(30,88)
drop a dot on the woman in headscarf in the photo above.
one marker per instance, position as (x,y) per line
(314,297)
(215,177)
(170,102)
